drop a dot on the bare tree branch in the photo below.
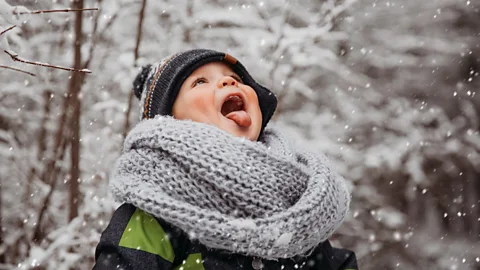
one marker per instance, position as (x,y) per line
(8,29)
(135,53)
(265,18)
(274,49)
(94,37)
(187,37)
(52,175)
(42,144)
(54,11)
(65,135)
(115,16)
(64,138)
(139,31)
(50,171)
(18,59)
(112,19)
(16,69)
(283,93)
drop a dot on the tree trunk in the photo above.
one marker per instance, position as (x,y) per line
(75,86)
(2,256)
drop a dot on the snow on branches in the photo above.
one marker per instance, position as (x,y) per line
(12,15)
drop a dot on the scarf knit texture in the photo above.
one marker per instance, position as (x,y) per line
(261,198)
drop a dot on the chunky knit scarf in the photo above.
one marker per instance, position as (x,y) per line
(259,198)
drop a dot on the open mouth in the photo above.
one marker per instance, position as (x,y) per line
(232,104)
(233,108)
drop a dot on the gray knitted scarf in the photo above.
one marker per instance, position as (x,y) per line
(260,198)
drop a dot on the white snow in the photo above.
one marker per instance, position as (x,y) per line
(284,239)
(383,88)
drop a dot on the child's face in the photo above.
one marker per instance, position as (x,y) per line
(214,94)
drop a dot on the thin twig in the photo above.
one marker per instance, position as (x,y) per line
(276,60)
(94,36)
(283,93)
(114,17)
(52,174)
(139,31)
(102,32)
(265,18)
(42,145)
(54,10)
(16,69)
(8,29)
(126,126)
(17,58)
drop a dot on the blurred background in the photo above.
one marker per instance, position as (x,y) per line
(387,89)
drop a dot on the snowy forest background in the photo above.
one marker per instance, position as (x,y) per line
(387,89)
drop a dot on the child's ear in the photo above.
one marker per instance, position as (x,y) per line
(140,79)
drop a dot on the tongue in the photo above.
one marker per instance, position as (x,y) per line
(240,117)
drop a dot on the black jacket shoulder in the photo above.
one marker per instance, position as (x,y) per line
(136,240)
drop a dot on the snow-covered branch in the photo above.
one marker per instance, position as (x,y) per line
(8,29)
(16,69)
(53,11)
(15,57)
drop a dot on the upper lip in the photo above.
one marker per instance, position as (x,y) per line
(237,93)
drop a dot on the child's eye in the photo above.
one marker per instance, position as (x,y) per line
(236,78)
(199,81)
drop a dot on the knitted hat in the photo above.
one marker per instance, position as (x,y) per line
(157,86)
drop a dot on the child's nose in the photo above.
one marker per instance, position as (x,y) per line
(226,81)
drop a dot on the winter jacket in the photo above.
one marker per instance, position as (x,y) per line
(136,240)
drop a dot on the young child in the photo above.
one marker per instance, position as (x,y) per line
(205,185)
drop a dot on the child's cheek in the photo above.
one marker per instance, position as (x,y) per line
(202,102)
(252,96)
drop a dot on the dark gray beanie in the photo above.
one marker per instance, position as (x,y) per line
(157,86)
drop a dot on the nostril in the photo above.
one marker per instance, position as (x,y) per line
(224,84)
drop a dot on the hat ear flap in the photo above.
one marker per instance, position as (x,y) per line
(140,79)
